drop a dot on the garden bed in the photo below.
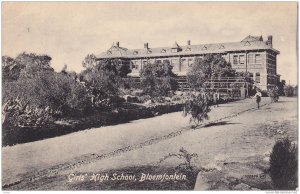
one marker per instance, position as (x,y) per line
(126,113)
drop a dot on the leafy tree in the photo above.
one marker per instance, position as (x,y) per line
(158,79)
(281,86)
(221,68)
(103,80)
(10,69)
(34,64)
(209,67)
(56,90)
(89,61)
(289,91)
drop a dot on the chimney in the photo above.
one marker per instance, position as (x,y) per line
(270,40)
(146,45)
(188,42)
(117,44)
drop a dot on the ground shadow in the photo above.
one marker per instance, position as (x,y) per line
(220,123)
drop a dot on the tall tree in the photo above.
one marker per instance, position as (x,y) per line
(158,79)
(34,64)
(209,67)
(89,61)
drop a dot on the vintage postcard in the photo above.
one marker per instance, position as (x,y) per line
(149,96)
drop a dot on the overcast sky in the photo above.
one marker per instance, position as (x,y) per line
(68,31)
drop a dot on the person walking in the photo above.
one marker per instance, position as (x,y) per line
(216,97)
(258,97)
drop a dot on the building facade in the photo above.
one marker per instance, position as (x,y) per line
(252,54)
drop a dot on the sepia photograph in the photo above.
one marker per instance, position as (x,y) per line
(142,96)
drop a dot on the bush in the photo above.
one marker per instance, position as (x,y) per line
(289,91)
(273,93)
(158,79)
(185,156)
(284,165)
(17,113)
(56,90)
(144,98)
(198,107)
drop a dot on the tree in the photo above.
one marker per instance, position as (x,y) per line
(206,68)
(89,61)
(281,86)
(289,91)
(10,69)
(34,64)
(157,79)
(103,80)
(210,67)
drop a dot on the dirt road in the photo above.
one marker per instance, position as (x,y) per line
(236,132)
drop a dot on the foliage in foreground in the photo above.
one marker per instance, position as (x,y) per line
(182,155)
(284,165)
(17,113)
(197,105)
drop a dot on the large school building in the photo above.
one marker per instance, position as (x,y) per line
(253,54)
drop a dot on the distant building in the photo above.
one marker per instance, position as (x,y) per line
(252,54)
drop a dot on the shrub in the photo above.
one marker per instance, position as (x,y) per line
(273,93)
(197,105)
(289,91)
(17,113)
(185,155)
(284,165)
(144,98)
(56,90)
(103,80)
(158,79)
(129,83)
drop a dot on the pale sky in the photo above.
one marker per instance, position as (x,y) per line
(68,31)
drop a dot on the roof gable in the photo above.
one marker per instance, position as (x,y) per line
(252,38)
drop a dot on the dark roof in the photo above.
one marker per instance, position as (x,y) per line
(248,43)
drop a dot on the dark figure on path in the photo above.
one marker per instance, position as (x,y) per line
(216,97)
(258,97)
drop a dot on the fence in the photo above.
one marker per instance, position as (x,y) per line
(234,87)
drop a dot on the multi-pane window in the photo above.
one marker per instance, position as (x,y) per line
(258,59)
(235,59)
(254,58)
(251,59)
(257,77)
(242,59)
